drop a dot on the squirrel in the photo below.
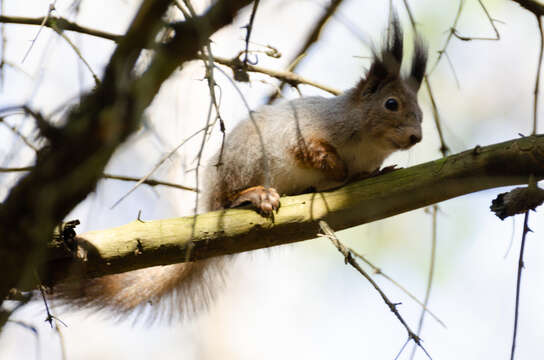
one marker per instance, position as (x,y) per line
(309,143)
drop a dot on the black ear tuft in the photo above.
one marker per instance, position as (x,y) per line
(394,41)
(387,62)
(419,61)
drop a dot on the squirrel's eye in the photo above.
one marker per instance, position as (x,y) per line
(391,104)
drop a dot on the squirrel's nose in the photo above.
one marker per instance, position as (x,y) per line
(415,138)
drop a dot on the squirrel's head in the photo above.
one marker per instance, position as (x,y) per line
(387,98)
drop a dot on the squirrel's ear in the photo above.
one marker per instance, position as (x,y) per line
(419,62)
(386,63)
(375,77)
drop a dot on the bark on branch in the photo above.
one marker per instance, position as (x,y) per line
(142,244)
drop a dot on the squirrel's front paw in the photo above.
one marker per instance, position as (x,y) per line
(265,200)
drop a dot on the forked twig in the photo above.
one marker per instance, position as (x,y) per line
(349,259)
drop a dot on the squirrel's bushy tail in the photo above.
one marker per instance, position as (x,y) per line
(171,292)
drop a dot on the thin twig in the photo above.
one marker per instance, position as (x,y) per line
(402,348)
(444,48)
(444,149)
(50,21)
(379,271)
(16,169)
(312,38)
(265,159)
(348,258)
(30,328)
(511,237)
(453,32)
(249,28)
(161,161)
(285,76)
(430,278)
(537,81)
(18,133)
(44,21)
(78,53)
(210,65)
(518,282)
(150,182)
(3,43)
(470,38)
(61,340)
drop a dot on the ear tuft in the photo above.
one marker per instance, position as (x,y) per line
(387,62)
(394,41)
(419,61)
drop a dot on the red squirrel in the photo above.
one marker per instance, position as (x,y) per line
(312,142)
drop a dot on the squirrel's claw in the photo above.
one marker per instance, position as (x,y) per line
(265,200)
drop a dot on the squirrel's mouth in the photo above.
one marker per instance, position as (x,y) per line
(396,145)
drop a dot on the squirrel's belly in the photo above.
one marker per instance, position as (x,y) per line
(299,180)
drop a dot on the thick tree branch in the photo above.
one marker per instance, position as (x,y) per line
(142,244)
(68,170)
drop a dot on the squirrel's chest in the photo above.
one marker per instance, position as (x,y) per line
(363,157)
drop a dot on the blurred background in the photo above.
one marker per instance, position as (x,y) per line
(301,301)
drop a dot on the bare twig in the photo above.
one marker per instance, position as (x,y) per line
(61,340)
(78,53)
(312,38)
(285,76)
(44,21)
(32,329)
(444,149)
(430,278)
(16,169)
(348,258)
(159,163)
(511,237)
(537,81)
(3,43)
(209,64)
(455,33)
(50,318)
(379,271)
(150,182)
(518,282)
(443,50)
(249,28)
(18,133)
(265,159)
(50,21)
